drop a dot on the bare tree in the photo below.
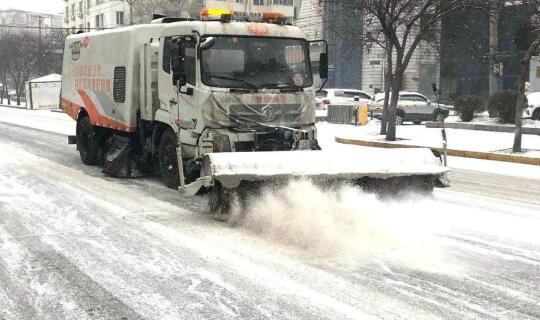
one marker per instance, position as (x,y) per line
(405,24)
(22,52)
(528,40)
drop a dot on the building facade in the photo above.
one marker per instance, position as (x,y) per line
(31,22)
(310,19)
(95,14)
(103,14)
(342,29)
(465,51)
(423,70)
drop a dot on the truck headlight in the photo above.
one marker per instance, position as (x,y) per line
(221,143)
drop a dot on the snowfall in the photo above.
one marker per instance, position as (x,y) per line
(75,244)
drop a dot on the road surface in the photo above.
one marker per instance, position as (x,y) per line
(77,245)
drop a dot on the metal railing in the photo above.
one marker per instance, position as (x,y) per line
(342,114)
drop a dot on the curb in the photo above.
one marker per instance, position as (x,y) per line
(482,127)
(451,152)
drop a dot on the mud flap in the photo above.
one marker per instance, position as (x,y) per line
(120,160)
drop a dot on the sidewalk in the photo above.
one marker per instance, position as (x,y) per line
(45,120)
(498,143)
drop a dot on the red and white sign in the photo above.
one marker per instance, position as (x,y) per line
(258,29)
(298,80)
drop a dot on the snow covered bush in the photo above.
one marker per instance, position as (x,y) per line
(468,106)
(502,105)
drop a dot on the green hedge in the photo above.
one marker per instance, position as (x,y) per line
(502,105)
(468,106)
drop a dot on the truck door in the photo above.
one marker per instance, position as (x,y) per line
(178,81)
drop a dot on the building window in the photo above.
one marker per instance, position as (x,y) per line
(120,18)
(281,2)
(99,21)
(258,2)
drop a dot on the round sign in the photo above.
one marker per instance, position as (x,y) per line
(298,80)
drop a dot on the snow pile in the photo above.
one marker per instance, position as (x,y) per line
(344,222)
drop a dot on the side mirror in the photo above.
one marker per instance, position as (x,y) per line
(179,79)
(323,65)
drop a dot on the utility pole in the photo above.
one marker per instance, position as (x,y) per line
(40,46)
(494,12)
(131,3)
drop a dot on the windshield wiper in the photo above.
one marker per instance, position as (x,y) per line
(252,86)
(282,86)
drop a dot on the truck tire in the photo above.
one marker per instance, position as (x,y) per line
(220,201)
(168,163)
(536,114)
(87,141)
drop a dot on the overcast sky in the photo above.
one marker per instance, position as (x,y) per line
(41,6)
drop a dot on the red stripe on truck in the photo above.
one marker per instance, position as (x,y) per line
(96,118)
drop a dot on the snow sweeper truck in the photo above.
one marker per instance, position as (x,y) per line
(224,104)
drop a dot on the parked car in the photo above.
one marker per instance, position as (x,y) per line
(327,97)
(412,106)
(533,111)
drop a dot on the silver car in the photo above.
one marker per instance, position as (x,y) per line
(412,106)
(327,97)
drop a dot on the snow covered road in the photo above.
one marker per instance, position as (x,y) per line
(77,245)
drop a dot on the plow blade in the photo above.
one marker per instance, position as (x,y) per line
(231,169)
(382,171)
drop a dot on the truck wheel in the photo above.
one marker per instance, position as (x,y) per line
(219,200)
(87,141)
(536,114)
(168,164)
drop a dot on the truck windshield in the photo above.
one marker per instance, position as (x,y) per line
(255,63)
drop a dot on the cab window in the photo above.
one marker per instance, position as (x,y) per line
(179,55)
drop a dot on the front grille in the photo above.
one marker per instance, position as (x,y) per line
(281,113)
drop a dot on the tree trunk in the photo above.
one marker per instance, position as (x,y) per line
(494,8)
(525,63)
(387,83)
(396,87)
(7,92)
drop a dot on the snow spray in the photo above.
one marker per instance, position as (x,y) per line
(342,220)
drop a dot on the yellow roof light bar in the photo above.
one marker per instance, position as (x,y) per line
(215,14)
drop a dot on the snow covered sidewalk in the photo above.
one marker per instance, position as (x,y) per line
(418,135)
(327,134)
(45,120)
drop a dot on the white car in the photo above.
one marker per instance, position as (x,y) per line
(412,106)
(533,111)
(327,97)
